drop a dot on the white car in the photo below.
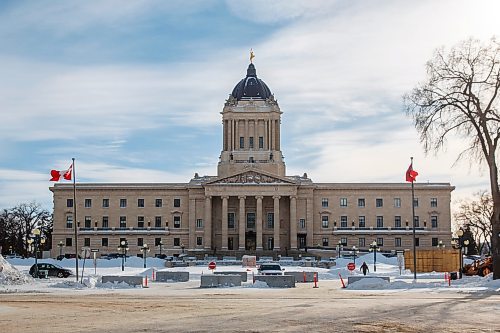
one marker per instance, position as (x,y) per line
(270,269)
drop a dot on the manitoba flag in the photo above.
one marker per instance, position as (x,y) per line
(56,174)
(411,175)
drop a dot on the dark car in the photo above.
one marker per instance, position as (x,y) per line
(50,270)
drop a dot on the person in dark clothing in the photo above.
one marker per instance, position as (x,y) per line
(364,268)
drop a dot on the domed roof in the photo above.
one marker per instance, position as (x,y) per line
(251,87)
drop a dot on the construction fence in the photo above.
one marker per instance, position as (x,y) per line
(435,260)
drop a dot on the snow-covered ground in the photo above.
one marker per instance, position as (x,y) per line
(14,275)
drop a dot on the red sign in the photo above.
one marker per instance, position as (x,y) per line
(351,266)
(212,265)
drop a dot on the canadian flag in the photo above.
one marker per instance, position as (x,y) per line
(56,174)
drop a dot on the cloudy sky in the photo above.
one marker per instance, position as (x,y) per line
(134,89)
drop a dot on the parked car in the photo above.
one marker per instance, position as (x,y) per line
(45,269)
(112,256)
(270,269)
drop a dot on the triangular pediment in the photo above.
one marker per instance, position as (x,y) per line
(251,177)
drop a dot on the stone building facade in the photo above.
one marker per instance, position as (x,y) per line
(251,206)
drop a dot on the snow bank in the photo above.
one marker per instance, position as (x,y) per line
(9,275)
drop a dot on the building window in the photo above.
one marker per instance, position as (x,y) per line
(251,220)
(69,202)
(88,203)
(69,221)
(417,241)
(123,221)
(270,220)
(250,142)
(361,242)
(343,241)
(158,203)
(177,202)
(434,202)
(123,203)
(230,220)
(379,202)
(302,223)
(69,241)
(380,221)
(343,221)
(157,221)
(105,203)
(362,221)
(397,242)
(324,221)
(86,242)
(397,221)
(397,202)
(140,203)
(177,242)
(261,142)
(434,221)
(324,202)
(157,241)
(140,241)
(325,241)
(361,202)
(104,242)
(199,241)
(230,243)
(343,202)
(177,221)
(199,223)
(380,241)
(270,243)
(242,142)
(415,202)
(105,222)
(88,222)
(140,221)
(435,241)
(417,222)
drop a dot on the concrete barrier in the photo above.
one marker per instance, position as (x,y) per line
(215,281)
(165,276)
(352,279)
(277,281)
(299,276)
(243,275)
(128,279)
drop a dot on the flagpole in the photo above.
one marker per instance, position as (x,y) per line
(74,218)
(414,237)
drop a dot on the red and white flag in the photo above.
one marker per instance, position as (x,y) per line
(411,175)
(56,174)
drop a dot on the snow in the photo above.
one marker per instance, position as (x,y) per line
(14,275)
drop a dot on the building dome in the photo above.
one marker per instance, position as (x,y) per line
(251,87)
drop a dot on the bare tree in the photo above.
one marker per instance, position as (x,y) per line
(28,216)
(459,98)
(476,216)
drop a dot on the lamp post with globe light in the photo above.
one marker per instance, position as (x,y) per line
(145,249)
(60,245)
(123,247)
(374,247)
(34,242)
(354,252)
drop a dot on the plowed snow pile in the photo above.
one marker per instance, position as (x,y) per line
(10,275)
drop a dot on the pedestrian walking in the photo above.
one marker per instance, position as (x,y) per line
(364,268)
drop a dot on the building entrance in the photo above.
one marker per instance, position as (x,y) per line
(250,240)
(301,240)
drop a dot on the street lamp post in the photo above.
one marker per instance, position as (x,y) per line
(160,244)
(374,247)
(34,243)
(182,248)
(441,245)
(462,247)
(123,247)
(60,245)
(339,248)
(145,249)
(354,251)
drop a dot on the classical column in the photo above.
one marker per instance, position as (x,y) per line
(247,140)
(192,223)
(309,222)
(293,222)
(224,222)
(259,222)
(276,222)
(208,223)
(241,227)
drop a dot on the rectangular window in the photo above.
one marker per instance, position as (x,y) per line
(435,241)
(270,220)
(104,242)
(302,223)
(177,242)
(362,221)
(434,202)
(343,241)
(324,221)
(261,142)
(397,221)
(69,241)
(69,202)
(415,202)
(177,202)
(417,241)
(88,203)
(380,241)
(343,221)
(397,242)
(380,221)
(158,241)
(242,142)
(324,202)
(230,220)
(88,222)
(123,203)
(158,203)
(379,202)
(343,202)
(86,242)
(199,223)
(417,222)
(325,241)
(397,202)
(123,221)
(140,203)
(105,203)
(177,221)
(250,142)
(157,221)
(140,221)
(199,241)
(140,241)
(69,221)
(361,202)
(105,222)
(362,242)
(434,221)
(251,220)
